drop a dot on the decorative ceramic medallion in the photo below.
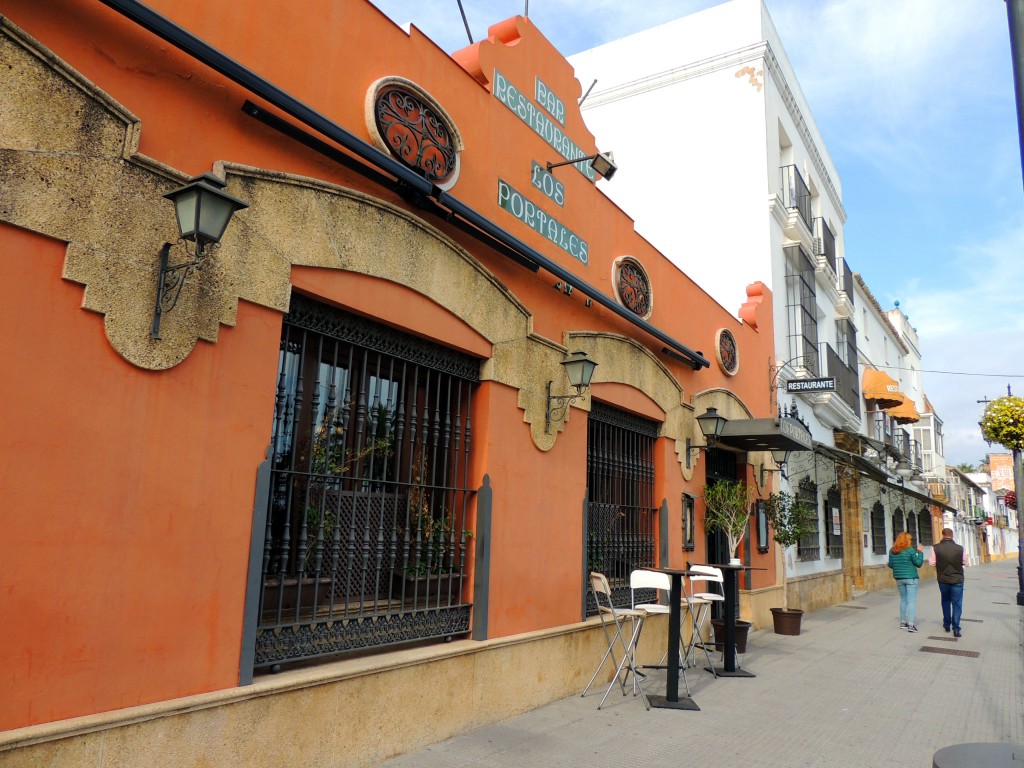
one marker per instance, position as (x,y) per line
(408,123)
(727,352)
(632,286)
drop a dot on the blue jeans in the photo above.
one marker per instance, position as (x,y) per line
(952,602)
(908,599)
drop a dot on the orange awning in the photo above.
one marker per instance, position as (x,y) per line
(904,413)
(881,388)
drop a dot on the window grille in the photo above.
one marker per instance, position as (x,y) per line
(801,309)
(846,341)
(833,540)
(367,537)
(897,523)
(924,525)
(911,519)
(809,548)
(878,529)
(621,514)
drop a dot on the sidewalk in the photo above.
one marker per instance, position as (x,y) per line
(852,690)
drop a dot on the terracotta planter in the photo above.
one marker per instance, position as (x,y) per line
(787,622)
(742,627)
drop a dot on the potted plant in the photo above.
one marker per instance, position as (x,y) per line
(726,505)
(431,563)
(725,509)
(791,518)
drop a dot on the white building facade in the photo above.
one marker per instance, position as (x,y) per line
(719,153)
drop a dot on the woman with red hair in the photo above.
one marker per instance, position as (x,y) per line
(904,561)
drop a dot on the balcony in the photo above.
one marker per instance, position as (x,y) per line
(795,194)
(901,445)
(839,409)
(880,427)
(916,460)
(844,306)
(825,245)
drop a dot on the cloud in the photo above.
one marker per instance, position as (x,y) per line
(971,324)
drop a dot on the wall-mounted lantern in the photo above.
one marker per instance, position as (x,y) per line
(203,210)
(579,369)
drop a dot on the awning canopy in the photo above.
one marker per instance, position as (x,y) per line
(781,434)
(880,387)
(905,412)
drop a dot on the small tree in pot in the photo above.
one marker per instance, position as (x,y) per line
(725,509)
(791,519)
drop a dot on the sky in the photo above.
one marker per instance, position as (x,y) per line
(915,102)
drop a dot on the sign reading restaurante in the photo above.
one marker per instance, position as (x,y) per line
(811,385)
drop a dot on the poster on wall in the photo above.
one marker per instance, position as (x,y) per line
(836,527)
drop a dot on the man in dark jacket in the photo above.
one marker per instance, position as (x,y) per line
(949,569)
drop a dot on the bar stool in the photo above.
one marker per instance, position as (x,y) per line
(612,622)
(703,599)
(644,579)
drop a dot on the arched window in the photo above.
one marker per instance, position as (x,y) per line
(912,527)
(897,523)
(878,529)
(833,523)
(924,526)
(808,547)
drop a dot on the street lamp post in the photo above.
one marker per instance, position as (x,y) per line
(1015,20)
(1018,485)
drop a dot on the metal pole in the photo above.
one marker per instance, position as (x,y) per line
(1018,485)
(1015,19)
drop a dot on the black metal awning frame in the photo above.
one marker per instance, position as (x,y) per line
(866,468)
(447,206)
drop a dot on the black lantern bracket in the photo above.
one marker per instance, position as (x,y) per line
(172,279)
(780,457)
(579,369)
(603,164)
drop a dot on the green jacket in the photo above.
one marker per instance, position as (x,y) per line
(905,564)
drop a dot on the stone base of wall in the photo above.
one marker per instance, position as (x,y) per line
(365,710)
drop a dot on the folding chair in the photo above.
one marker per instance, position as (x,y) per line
(613,621)
(702,599)
(643,579)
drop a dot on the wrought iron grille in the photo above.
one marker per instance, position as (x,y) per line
(833,540)
(911,519)
(809,548)
(795,193)
(924,528)
(621,515)
(826,241)
(878,529)
(897,523)
(367,538)
(801,309)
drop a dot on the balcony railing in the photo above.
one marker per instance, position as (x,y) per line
(826,241)
(795,193)
(846,379)
(901,442)
(880,427)
(915,455)
(845,280)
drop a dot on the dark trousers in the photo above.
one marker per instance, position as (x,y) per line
(952,604)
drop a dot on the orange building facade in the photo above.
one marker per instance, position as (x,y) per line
(342,441)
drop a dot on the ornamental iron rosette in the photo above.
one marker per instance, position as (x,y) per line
(727,352)
(405,121)
(632,286)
